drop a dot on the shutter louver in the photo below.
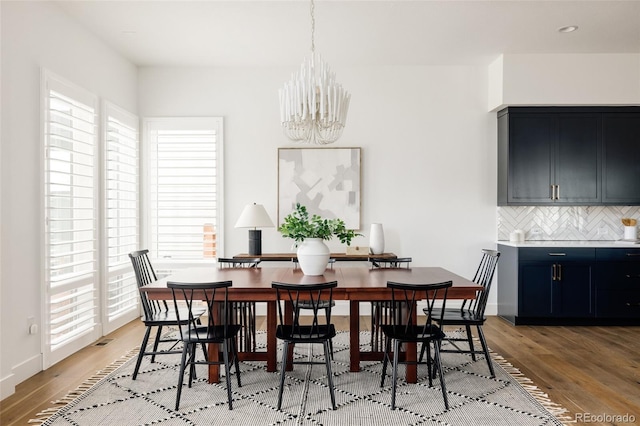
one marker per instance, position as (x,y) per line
(121,206)
(183,192)
(70,214)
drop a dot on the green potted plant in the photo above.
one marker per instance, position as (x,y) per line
(309,233)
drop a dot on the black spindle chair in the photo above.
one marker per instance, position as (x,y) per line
(471,313)
(216,330)
(243,313)
(405,328)
(380,309)
(314,330)
(156,313)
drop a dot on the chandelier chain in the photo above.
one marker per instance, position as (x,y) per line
(313,26)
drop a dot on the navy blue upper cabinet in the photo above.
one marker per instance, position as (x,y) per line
(568,155)
(621,159)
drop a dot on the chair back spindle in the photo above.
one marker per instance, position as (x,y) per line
(146,275)
(483,276)
(226,262)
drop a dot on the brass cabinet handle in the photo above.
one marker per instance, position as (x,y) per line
(553,277)
(557,192)
(559,272)
(557,254)
(553,192)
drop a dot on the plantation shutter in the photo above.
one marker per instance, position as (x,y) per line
(70,192)
(183,182)
(121,215)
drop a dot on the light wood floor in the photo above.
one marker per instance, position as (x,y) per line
(589,370)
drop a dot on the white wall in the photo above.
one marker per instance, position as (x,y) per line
(578,79)
(428,151)
(35,35)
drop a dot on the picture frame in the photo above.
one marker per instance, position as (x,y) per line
(325,180)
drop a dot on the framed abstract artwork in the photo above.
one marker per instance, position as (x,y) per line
(325,180)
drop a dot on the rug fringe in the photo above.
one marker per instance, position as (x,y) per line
(561,413)
(59,404)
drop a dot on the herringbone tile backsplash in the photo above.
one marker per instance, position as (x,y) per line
(576,223)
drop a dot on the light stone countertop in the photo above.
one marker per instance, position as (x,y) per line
(573,244)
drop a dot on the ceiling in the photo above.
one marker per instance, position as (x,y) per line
(269,33)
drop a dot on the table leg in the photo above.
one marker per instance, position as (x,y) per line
(354,335)
(272,343)
(213,351)
(411,355)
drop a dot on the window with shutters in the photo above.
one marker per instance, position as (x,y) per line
(122,219)
(183,188)
(70,219)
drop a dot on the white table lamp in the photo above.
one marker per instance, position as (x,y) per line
(254,216)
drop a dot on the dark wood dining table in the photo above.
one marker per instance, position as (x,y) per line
(355,284)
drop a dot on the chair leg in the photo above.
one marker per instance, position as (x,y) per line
(436,351)
(326,311)
(191,362)
(394,373)
(156,342)
(283,367)
(483,342)
(181,376)
(327,362)
(227,369)
(252,326)
(375,326)
(385,359)
(234,347)
(143,348)
(430,370)
(470,341)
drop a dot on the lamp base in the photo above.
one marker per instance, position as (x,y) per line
(255,242)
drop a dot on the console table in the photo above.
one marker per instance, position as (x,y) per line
(286,257)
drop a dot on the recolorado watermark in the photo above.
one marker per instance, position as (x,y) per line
(604,418)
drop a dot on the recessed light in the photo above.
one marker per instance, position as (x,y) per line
(569,29)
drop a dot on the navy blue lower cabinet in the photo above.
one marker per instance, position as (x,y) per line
(618,283)
(559,285)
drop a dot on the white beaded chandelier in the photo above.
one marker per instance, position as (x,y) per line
(313,107)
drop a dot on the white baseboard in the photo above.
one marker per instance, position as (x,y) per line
(491,309)
(19,374)
(7,386)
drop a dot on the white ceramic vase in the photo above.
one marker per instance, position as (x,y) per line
(376,239)
(313,256)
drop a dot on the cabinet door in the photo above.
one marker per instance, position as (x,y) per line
(621,159)
(618,283)
(572,292)
(531,147)
(577,157)
(535,289)
(618,290)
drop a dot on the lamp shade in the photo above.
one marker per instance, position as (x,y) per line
(254,216)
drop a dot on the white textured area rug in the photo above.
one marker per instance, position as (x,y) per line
(475,398)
